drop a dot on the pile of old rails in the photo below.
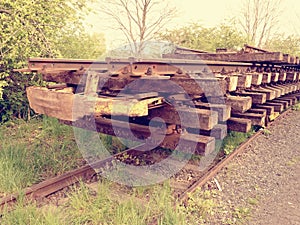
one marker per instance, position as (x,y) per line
(198,95)
(264,90)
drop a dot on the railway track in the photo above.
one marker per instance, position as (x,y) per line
(185,101)
(181,190)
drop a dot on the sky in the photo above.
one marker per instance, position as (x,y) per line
(208,13)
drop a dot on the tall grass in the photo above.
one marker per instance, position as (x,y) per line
(107,208)
(33,151)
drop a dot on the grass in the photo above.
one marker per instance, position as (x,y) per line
(33,151)
(138,206)
(234,139)
(86,207)
(41,148)
(296,107)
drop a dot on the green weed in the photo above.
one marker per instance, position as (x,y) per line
(241,213)
(35,150)
(253,201)
(234,139)
(30,214)
(266,132)
(296,107)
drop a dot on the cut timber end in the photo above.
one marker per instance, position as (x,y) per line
(239,104)
(286,103)
(244,80)
(282,76)
(277,91)
(278,107)
(275,77)
(65,105)
(257,98)
(232,82)
(205,145)
(56,104)
(218,132)
(222,109)
(256,78)
(266,78)
(239,124)
(291,76)
(270,94)
(256,118)
(186,117)
(270,109)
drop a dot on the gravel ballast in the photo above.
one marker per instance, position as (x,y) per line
(261,185)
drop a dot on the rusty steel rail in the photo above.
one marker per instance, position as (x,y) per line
(55,184)
(221,164)
(38,64)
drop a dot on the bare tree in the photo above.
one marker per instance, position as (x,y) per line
(259,19)
(139,20)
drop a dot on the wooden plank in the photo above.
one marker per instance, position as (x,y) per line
(256,118)
(291,76)
(286,103)
(277,90)
(209,86)
(186,117)
(286,58)
(288,88)
(266,78)
(60,104)
(256,78)
(239,124)
(292,60)
(293,100)
(278,107)
(218,132)
(270,109)
(239,103)
(257,98)
(283,90)
(297,95)
(223,110)
(244,80)
(232,82)
(186,142)
(270,94)
(274,77)
(258,111)
(282,76)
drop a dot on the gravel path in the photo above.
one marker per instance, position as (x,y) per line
(262,185)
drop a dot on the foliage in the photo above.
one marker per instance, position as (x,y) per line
(234,139)
(80,45)
(286,44)
(208,39)
(33,29)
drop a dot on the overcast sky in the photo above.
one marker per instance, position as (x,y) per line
(209,13)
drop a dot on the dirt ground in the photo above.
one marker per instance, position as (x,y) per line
(262,185)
